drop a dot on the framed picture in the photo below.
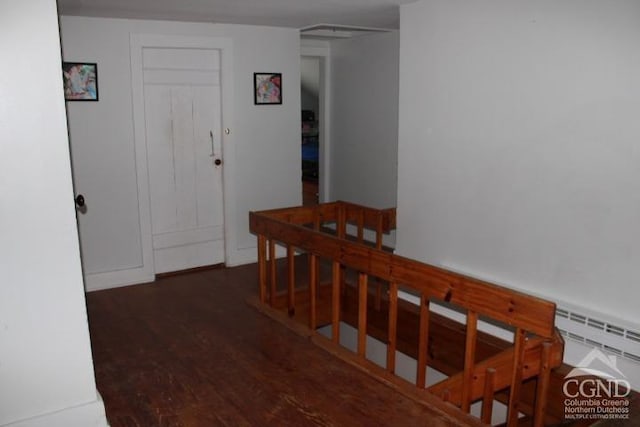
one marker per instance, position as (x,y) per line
(267,88)
(80,81)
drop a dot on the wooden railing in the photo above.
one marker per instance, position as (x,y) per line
(349,238)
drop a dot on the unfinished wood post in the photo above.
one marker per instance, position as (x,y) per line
(313,285)
(379,226)
(379,223)
(335,302)
(291,282)
(316,227)
(423,342)
(341,231)
(542,388)
(362,314)
(273,272)
(516,378)
(342,221)
(393,327)
(262,268)
(487,397)
(469,359)
(360,226)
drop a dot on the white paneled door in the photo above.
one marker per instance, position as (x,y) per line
(182,97)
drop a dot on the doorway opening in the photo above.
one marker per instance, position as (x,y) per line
(310,128)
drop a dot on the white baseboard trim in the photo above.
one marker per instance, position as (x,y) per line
(90,414)
(116,279)
(135,276)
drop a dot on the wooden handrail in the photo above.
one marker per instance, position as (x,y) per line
(496,302)
(384,219)
(322,232)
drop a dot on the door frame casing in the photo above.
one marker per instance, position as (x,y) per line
(225,45)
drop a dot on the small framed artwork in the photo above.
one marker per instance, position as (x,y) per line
(80,81)
(267,88)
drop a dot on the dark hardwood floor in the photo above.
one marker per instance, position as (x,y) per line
(187,350)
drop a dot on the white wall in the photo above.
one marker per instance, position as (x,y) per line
(46,367)
(266,138)
(310,84)
(518,146)
(364,119)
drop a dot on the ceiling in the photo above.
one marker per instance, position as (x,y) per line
(280,13)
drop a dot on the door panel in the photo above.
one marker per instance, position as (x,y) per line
(208,129)
(182,119)
(160,150)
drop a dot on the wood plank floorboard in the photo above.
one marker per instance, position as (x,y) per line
(188,351)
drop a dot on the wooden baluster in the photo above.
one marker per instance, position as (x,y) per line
(516,378)
(378,301)
(469,360)
(342,222)
(313,285)
(379,224)
(335,303)
(393,327)
(423,342)
(360,226)
(316,227)
(362,314)
(291,288)
(542,389)
(262,268)
(272,271)
(487,397)
(341,232)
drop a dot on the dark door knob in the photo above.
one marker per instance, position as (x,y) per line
(80,200)
(217,162)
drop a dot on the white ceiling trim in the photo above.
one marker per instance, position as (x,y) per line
(330,31)
(279,13)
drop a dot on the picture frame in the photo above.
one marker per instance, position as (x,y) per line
(80,81)
(267,88)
